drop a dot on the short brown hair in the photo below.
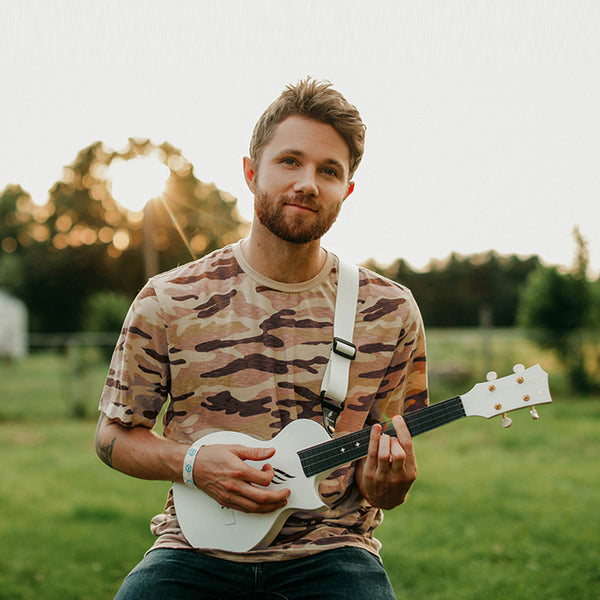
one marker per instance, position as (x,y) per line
(314,99)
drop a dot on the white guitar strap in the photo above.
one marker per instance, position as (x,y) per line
(343,351)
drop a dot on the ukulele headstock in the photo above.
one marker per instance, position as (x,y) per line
(525,388)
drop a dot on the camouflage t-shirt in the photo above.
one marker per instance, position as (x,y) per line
(229,349)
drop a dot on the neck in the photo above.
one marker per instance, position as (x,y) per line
(333,453)
(280,260)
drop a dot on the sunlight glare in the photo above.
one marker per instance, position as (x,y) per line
(134,182)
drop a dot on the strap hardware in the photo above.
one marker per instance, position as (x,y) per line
(331,411)
(335,381)
(344,348)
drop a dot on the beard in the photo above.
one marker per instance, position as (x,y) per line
(296,229)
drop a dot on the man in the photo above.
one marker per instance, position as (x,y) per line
(239,340)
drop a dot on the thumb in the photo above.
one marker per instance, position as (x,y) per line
(252,453)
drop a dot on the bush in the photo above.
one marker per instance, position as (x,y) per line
(555,309)
(105,313)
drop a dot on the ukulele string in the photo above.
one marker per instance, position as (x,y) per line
(353,445)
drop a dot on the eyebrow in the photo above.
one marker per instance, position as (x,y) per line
(328,161)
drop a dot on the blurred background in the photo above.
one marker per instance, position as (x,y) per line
(122,132)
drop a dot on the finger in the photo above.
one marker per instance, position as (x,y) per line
(250,473)
(397,457)
(409,463)
(402,432)
(249,498)
(397,453)
(373,449)
(403,435)
(254,452)
(383,454)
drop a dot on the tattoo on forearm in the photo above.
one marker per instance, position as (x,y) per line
(105,452)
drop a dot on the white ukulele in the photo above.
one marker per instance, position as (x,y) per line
(305,455)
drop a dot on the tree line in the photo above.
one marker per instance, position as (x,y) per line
(559,309)
(78,260)
(464,291)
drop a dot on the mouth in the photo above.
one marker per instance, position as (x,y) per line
(301,207)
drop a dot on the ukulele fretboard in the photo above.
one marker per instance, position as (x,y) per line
(345,449)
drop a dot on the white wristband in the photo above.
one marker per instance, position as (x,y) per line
(188,464)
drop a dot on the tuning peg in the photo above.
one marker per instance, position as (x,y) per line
(518,368)
(491,376)
(534,413)
(506,420)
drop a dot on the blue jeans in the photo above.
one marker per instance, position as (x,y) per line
(343,573)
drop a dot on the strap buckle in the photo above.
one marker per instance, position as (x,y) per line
(344,348)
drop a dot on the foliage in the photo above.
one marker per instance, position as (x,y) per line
(105,312)
(557,309)
(11,274)
(81,241)
(554,305)
(594,316)
(460,291)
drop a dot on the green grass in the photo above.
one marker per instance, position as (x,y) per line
(502,513)
(71,527)
(52,385)
(494,514)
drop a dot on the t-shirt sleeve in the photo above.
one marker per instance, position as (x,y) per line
(138,381)
(406,377)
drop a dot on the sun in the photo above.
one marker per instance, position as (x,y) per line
(136,181)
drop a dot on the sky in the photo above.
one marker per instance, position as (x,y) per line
(483,120)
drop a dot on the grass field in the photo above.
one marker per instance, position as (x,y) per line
(495,513)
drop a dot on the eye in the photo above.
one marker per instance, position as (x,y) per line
(331,172)
(288,161)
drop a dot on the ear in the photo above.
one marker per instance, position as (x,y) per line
(249,173)
(350,189)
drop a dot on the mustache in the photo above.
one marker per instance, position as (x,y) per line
(300,200)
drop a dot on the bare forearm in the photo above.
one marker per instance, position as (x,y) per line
(139,451)
(222,471)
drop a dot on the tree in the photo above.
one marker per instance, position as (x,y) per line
(16,230)
(82,241)
(556,310)
(453,292)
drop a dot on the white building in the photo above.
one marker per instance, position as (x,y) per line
(13,327)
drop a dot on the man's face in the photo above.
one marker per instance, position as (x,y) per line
(301,180)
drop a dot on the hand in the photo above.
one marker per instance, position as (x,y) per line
(220,471)
(387,473)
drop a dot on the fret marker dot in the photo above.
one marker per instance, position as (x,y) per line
(343,450)
(357,444)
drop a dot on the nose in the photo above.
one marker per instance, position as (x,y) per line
(306,183)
